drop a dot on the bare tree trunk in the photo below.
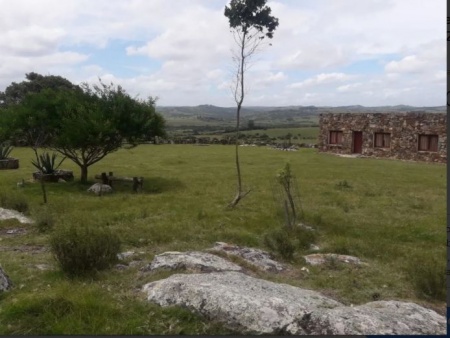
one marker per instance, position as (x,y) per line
(240,84)
(84,173)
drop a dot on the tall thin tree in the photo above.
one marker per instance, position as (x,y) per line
(250,22)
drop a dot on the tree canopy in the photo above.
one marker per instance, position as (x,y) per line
(34,83)
(84,124)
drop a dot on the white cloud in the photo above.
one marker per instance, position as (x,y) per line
(321,79)
(191,43)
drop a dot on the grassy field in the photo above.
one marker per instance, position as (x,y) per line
(391,214)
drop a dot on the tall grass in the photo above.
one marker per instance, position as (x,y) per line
(392,209)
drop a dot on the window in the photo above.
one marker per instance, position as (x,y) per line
(335,137)
(428,143)
(382,140)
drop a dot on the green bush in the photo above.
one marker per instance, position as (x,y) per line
(84,250)
(44,222)
(14,201)
(427,274)
(285,241)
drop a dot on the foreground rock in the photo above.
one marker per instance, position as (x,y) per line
(241,302)
(100,189)
(5,282)
(8,214)
(318,259)
(375,318)
(194,261)
(260,258)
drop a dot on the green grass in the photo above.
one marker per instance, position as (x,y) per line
(388,212)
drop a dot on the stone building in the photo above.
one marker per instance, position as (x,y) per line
(406,136)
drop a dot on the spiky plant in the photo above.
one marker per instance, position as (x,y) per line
(5,150)
(46,163)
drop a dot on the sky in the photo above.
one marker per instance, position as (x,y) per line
(323,53)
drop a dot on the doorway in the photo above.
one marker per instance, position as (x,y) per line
(357,142)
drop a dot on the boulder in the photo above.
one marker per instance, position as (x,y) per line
(375,318)
(249,305)
(7,214)
(5,282)
(318,259)
(257,257)
(193,260)
(100,189)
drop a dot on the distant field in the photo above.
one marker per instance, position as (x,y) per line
(391,214)
(303,135)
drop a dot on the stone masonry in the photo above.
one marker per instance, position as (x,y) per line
(404,130)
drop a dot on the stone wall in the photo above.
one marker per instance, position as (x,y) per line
(404,130)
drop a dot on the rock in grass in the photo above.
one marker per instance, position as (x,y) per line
(249,305)
(5,282)
(100,189)
(375,318)
(260,258)
(193,260)
(7,214)
(318,259)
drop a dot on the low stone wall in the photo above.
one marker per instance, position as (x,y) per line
(404,130)
(9,163)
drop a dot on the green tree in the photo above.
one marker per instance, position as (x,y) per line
(34,83)
(250,22)
(88,124)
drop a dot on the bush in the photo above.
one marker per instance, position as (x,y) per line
(44,222)
(84,250)
(427,274)
(14,201)
(286,241)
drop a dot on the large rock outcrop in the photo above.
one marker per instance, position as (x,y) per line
(375,318)
(255,306)
(241,302)
(193,261)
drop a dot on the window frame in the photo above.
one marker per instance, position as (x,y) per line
(337,139)
(431,143)
(383,140)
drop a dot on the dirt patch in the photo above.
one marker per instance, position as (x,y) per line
(25,248)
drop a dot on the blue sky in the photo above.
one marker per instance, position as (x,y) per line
(324,53)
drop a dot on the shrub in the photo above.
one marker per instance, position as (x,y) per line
(280,242)
(5,150)
(343,185)
(44,222)
(286,241)
(46,164)
(427,274)
(84,250)
(14,201)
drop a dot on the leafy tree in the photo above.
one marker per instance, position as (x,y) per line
(88,124)
(250,22)
(34,83)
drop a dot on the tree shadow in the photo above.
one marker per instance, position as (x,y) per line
(152,185)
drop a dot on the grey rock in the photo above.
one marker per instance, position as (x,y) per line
(125,255)
(257,257)
(100,189)
(314,247)
(43,267)
(193,260)
(306,227)
(318,259)
(8,214)
(17,231)
(121,267)
(241,302)
(375,318)
(5,282)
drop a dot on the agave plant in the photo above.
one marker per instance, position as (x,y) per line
(46,164)
(5,150)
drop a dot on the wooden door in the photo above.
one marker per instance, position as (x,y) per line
(357,142)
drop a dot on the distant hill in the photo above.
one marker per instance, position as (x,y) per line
(254,112)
